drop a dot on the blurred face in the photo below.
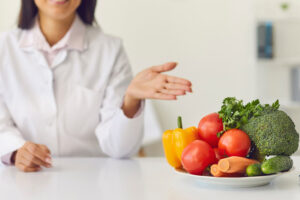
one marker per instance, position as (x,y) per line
(57,9)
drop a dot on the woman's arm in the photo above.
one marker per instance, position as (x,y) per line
(10,137)
(120,134)
(130,106)
(26,156)
(120,130)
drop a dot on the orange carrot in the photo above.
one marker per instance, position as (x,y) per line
(214,170)
(235,164)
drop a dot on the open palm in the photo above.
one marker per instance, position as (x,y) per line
(152,84)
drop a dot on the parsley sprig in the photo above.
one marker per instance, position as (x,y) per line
(234,113)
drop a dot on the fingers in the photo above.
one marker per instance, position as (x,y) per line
(25,168)
(152,84)
(163,96)
(39,152)
(27,163)
(165,67)
(173,92)
(30,159)
(176,86)
(173,79)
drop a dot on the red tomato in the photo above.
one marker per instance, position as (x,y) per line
(197,156)
(234,142)
(219,156)
(208,128)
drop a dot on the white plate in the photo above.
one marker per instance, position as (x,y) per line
(232,181)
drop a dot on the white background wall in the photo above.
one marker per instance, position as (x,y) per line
(213,41)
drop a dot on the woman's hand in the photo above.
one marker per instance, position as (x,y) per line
(152,84)
(30,157)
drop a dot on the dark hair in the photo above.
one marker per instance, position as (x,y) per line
(29,10)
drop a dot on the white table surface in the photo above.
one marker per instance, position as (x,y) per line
(136,179)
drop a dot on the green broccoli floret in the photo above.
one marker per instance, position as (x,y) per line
(272,133)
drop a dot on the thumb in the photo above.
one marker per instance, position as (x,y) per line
(165,67)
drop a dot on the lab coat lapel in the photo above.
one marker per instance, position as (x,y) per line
(39,56)
(60,58)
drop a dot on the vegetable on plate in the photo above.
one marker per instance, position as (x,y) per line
(197,156)
(272,133)
(235,164)
(216,172)
(174,142)
(254,170)
(208,128)
(277,164)
(219,156)
(234,142)
(235,114)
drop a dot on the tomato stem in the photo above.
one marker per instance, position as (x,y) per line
(179,122)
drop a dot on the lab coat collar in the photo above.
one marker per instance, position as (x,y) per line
(75,38)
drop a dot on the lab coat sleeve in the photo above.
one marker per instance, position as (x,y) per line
(118,135)
(10,137)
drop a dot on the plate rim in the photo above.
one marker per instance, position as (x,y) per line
(182,172)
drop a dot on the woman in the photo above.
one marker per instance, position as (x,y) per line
(67,86)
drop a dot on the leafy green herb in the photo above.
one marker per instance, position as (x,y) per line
(234,113)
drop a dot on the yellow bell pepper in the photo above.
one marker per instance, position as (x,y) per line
(174,142)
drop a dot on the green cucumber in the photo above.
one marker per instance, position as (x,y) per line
(277,164)
(254,170)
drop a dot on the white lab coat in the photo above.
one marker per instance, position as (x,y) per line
(74,107)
